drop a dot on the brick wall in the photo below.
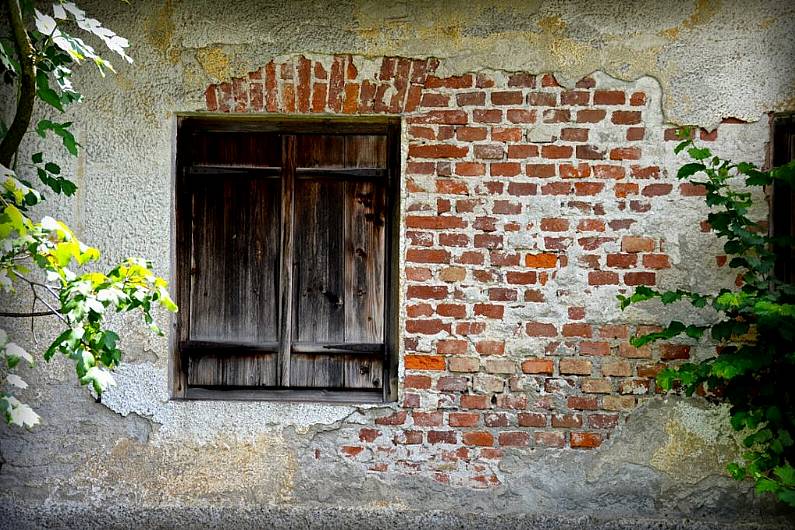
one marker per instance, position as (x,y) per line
(522,208)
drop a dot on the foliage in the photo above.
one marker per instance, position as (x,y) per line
(754,328)
(45,256)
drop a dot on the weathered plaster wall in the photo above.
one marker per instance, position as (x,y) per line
(698,62)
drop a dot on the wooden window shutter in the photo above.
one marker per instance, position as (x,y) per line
(286,237)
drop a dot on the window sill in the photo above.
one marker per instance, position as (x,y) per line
(300,396)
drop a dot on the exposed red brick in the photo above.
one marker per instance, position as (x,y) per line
(538,366)
(609,97)
(514,439)
(478,438)
(586,440)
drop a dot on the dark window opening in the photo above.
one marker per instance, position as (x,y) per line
(285,244)
(783,197)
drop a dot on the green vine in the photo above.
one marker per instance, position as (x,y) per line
(755,364)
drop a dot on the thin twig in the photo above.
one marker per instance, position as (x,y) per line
(26,315)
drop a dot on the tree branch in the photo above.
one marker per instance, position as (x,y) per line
(27,92)
(27,315)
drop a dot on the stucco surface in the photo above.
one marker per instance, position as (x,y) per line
(700,62)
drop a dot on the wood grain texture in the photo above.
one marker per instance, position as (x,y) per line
(289,258)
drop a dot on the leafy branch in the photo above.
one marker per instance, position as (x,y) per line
(45,256)
(755,324)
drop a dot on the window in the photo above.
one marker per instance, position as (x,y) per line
(783,200)
(284,259)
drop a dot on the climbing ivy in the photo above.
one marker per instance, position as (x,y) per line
(754,366)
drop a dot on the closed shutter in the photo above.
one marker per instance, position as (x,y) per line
(288,260)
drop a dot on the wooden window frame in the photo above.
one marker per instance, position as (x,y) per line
(182,242)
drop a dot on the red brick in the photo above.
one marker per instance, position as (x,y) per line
(435,222)
(671,352)
(430,99)
(427,292)
(540,170)
(521,278)
(463,364)
(503,259)
(576,330)
(454,240)
(487,115)
(427,256)
(488,241)
(589,152)
(451,310)
(418,274)
(397,418)
(351,450)
(514,439)
(408,438)
(489,310)
(489,151)
(626,117)
(586,82)
(602,421)
(556,116)
(451,384)
(471,134)
(539,366)
(582,402)
(625,153)
(490,347)
(637,99)
(506,134)
(523,80)
(640,278)
(622,261)
(602,278)
(474,401)
(521,116)
(570,171)
(591,225)
(539,329)
(470,98)
(656,190)
(368,435)
(463,419)
(521,189)
(686,189)
(635,134)
(437,151)
(511,97)
(445,117)
(608,172)
(442,437)
(637,244)
(550,439)
(568,421)
(616,367)
(586,440)
(478,438)
(532,419)
(427,419)
(574,97)
(424,362)
(656,261)
(569,134)
(542,99)
(590,115)
(608,97)
(588,188)
(645,172)
(574,366)
(426,327)
(554,224)
(504,169)
(556,151)
(419,310)
(422,382)
(451,347)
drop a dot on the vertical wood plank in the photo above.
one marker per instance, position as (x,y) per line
(392,277)
(286,268)
(182,241)
(364,262)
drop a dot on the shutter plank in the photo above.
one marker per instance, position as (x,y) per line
(365,150)
(337,371)
(364,262)
(319,295)
(240,370)
(235,251)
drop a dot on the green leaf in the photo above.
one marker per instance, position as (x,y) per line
(699,153)
(53,168)
(50,97)
(37,158)
(736,471)
(765,485)
(689,170)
